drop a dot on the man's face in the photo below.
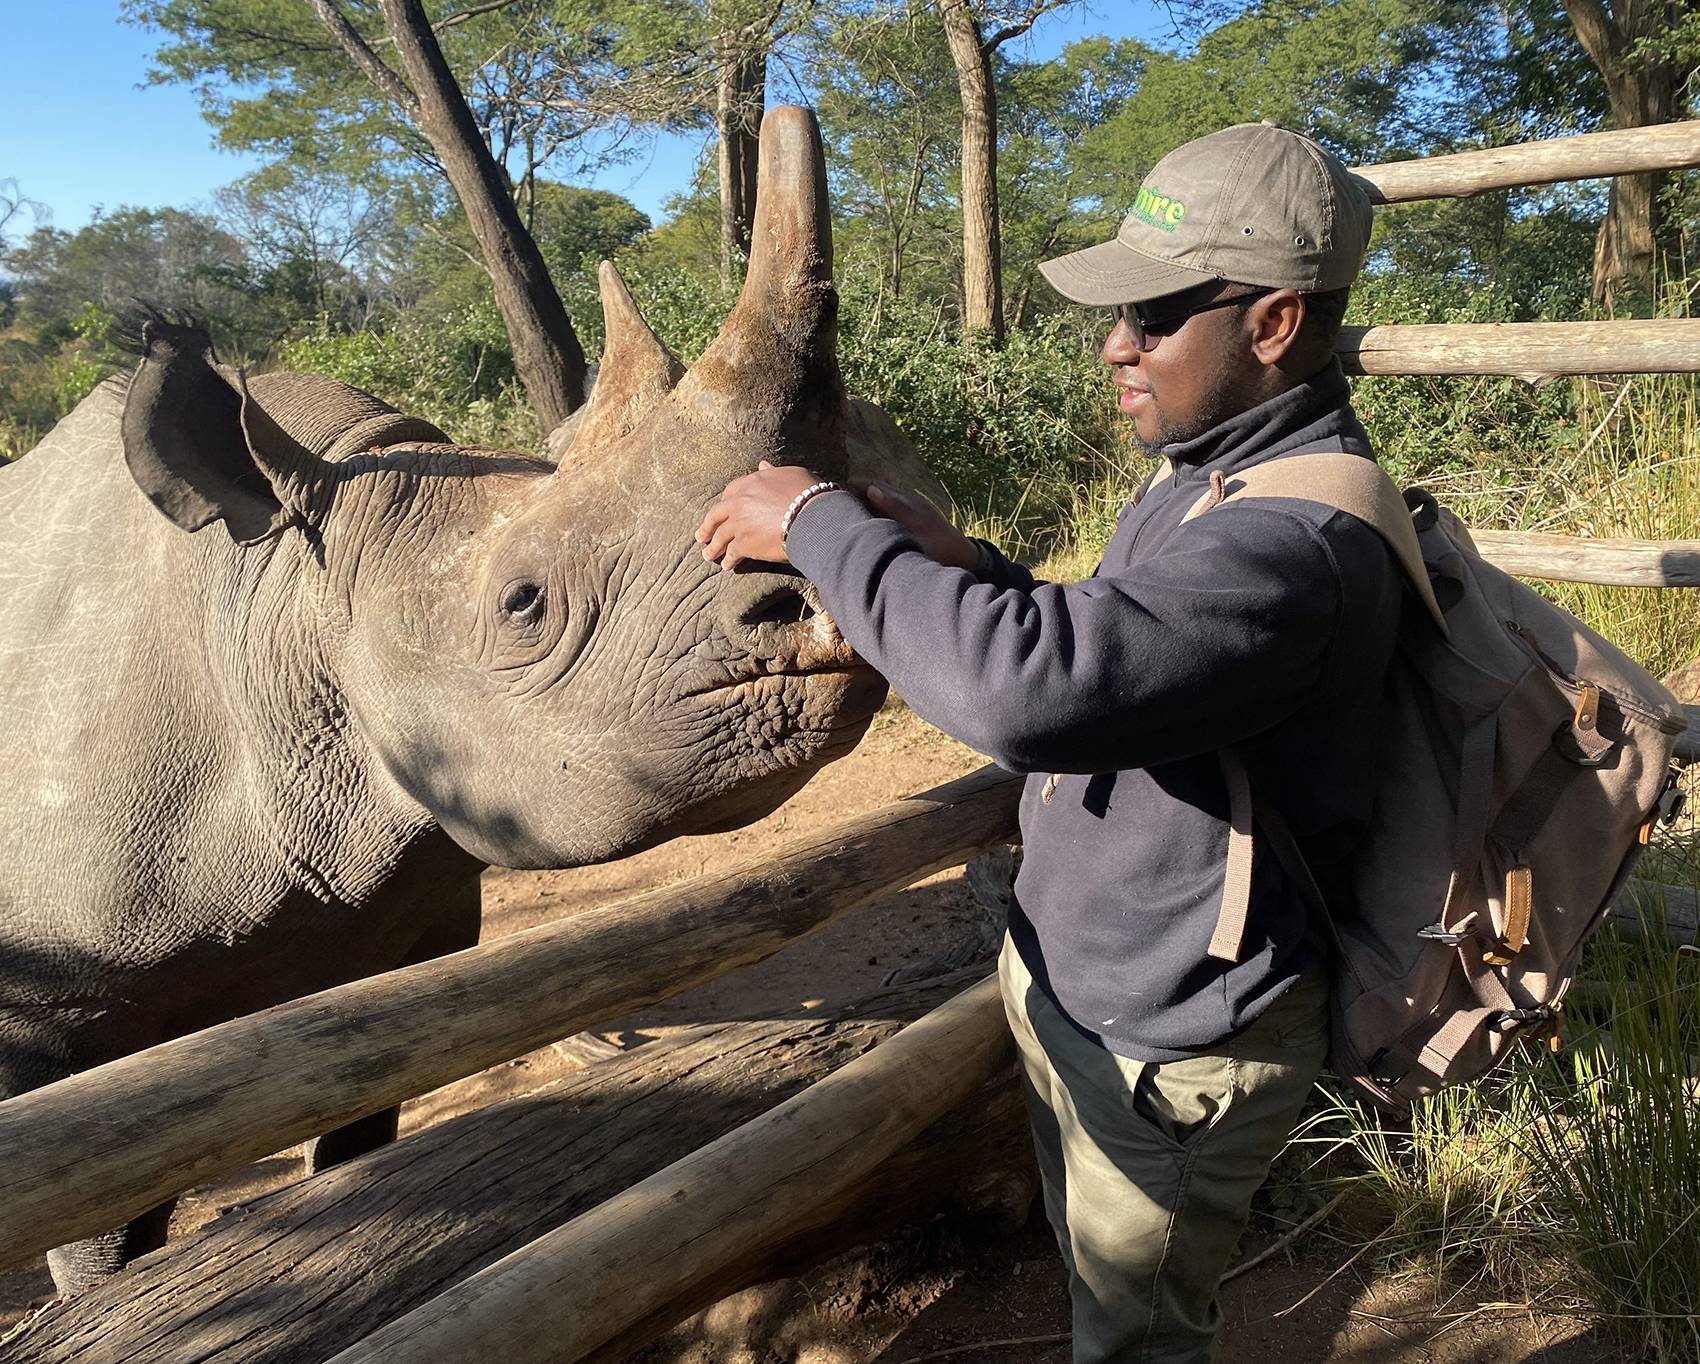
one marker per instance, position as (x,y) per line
(1195,375)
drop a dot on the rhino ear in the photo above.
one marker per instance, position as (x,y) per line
(772,375)
(201,450)
(636,372)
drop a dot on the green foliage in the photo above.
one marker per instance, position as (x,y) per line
(42,377)
(1430,425)
(1048,184)
(1355,74)
(1007,431)
(1619,1149)
(170,257)
(455,371)
(574,229)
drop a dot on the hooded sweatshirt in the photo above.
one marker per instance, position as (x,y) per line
(1265,624)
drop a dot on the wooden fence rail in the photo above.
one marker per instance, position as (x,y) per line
(1570,559)
(1525,350)
(581,1286)
(1625,151)
(91,1151)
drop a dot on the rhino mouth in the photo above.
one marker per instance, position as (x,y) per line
(754,683)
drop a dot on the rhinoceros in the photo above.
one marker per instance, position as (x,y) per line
(265,742)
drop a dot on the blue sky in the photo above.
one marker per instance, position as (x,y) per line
(79,129)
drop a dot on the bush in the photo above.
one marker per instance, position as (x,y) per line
(1013,434)
(1619,1151)
(455,371)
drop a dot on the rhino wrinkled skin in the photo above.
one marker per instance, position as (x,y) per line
(266,742)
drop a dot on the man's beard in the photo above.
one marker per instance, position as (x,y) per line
(1226,400)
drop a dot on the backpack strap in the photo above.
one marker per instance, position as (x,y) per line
(1359,487)
(1349,483)
(1228,940)
(1163,470)
(1229,937)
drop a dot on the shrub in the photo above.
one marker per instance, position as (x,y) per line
(1619,1151)
(455,370)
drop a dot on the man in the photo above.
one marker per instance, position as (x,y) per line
(1163,1073)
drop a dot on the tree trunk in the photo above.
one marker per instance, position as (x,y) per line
(982,270)
(297,1276)
(740,96)
(547,354)
(1642,92)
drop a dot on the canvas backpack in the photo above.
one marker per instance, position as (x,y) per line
(1521,765)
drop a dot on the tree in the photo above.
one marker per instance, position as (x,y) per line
(1048,111)
(1645,80)
(740,96)
(309,233)
(972,49)
(889,109)
(547,355)
(571,225)
(13,205)
(168,256)
(292,69)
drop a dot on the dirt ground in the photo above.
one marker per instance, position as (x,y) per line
(936,1294)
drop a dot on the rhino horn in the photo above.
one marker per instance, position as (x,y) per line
(636,370)
(771,375)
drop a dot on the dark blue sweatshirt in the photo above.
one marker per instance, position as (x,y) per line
(1265,624)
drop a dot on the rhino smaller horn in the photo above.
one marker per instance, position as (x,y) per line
(636,371)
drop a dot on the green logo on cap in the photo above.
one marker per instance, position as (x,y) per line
(1158,209)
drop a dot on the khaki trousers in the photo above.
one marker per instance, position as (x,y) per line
(1149,1169)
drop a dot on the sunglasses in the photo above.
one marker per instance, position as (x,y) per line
(1147,331)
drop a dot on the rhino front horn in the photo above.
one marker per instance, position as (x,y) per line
(772,373)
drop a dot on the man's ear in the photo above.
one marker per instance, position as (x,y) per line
(200,449)
(1274,321)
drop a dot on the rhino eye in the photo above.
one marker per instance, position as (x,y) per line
(523,602)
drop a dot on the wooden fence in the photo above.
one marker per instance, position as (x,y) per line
(93,1150)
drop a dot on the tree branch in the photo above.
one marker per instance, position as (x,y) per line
(1020,26)
(388,83)
(1601,39)
(461,16)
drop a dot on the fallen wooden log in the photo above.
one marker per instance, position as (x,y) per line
(93,1150)
(1688,744)
(1649,910)
(293,1277)
(579,1291)
(1569,559)
(1524,350)
(1619,151)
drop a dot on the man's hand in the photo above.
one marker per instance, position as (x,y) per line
(745,522)
(927,526)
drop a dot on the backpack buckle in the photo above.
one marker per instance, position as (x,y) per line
(1671,801)
(1449,937)
(1504,1020)
(1585,747)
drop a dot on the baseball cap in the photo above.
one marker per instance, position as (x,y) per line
(1254,203)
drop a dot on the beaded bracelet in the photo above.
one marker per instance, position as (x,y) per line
(800,500)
